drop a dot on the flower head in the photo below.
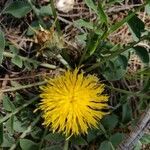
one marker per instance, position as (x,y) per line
(71,103)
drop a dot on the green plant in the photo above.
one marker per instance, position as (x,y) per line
(25,66)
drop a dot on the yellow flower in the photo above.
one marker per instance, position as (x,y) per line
(71,103)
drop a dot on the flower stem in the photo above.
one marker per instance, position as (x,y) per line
(66,146)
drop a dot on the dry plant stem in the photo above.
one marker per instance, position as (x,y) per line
(129,92)
(25,77)
(4,84)
(24,134)
(137,132)
(22,87)
(115,54)
(17,110)
(63,61)
(121,8)
(46,65)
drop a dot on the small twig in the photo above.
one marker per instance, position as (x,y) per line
(65,20)
(44,74)
(73,15)
(129,142)
(121,8)
(46,65)
(4,83)
(63,61)
(129,92)
(22,87)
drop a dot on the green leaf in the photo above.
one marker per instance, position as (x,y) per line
(110,121)
(18,99)
(1,133)
(8,140)
(7,104)
(9,124)
(17,61)
(26,144)
(35,64)
(28,65)
(36,132)
(116,68)
(136,25)
(18,126)
(46,10)
(143,53)
(116,138)
(54,137)
(105,145)
(102,14)
(146,87)
(81,39)
(125,20)
(78,141)
(18,9)
(124,61)
(145,139)
(82,23)
(2,46)
(93,134)
(91,5)
(147,8)
(13,49)
(138,146)
(33,27)
(126,113)
(115,48)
